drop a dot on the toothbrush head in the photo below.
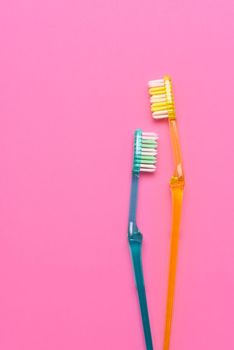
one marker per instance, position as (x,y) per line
(145,151)
(161,98)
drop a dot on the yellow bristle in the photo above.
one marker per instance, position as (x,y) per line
(159,104)
(157,108)
(157,91)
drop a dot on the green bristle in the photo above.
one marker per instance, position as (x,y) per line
(140,159)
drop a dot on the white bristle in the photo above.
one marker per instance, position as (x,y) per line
(149,134)
(160,114)
(158,98)
(156,83)
(149,150)
(148,170)
(151,153)
(148,166)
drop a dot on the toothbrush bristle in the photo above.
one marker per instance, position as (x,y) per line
(161,98)
(145,158)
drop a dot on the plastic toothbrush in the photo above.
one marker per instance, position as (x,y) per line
(145,145)
(162,106)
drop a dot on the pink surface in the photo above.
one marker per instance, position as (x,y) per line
(73,77)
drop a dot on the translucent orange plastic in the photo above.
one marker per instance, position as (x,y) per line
(162,106)
(178,172)
(177,187)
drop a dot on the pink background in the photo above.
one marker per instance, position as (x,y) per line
(73,77)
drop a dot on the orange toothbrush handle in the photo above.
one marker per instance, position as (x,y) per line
(177,187)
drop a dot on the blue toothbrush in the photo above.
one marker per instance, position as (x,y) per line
(145,145)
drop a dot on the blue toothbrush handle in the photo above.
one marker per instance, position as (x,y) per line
(135,242)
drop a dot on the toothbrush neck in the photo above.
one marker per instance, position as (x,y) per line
(132,226)
(178,172)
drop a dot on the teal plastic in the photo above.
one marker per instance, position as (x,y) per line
(137,152)
(135,241)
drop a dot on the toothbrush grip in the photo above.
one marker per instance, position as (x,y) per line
(135,242)
(177,198)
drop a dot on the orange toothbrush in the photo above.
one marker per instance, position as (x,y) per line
(162,106)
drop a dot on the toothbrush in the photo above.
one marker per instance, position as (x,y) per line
(145,145)
(162,106)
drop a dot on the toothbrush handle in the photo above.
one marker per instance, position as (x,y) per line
(177,198)
(135,242)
